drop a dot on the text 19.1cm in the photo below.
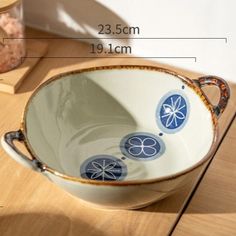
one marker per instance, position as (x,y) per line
(110,49)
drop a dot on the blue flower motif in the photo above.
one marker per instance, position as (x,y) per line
(172,112)
(142,146)
(137,146)
(104,170)
(103,167)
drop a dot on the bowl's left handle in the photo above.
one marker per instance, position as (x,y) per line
(10,148)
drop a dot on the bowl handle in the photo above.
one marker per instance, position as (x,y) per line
(224,91)
(10,148)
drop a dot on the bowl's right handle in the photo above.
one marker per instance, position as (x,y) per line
(224,91)
(10,148)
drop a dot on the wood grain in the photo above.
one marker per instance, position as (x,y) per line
(31,205)
(212,210)
(7,4)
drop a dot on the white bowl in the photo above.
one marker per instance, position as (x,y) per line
(119,136)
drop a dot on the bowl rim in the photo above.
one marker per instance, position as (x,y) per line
(189,82)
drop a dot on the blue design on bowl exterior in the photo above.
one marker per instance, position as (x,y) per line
(104,168)
(172,111)
(142,146)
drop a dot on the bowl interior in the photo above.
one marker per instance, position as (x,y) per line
(118,124)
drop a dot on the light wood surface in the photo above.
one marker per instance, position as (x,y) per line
(31,205)
(11,81)
(7,4)
(212,210)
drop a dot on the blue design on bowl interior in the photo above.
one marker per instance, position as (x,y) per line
(104,168)
(142,146)
(172,112)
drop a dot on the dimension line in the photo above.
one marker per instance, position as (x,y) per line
(136,38)
(191,58)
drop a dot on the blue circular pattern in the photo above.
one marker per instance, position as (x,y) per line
(172,112)
(103,168)
(142,146)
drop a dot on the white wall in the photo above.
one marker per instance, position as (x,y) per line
(156,18)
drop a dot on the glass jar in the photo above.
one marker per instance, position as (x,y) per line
(12,43)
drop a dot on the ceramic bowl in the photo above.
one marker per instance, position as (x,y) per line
(119,136)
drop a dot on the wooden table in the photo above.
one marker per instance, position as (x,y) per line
(212,209)
(31,205)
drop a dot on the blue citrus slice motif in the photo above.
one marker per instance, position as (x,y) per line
(172,112)
(142,146)
(104,168)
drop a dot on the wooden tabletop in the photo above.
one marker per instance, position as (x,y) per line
(31,205)
(212,209)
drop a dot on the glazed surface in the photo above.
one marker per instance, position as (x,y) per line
(119,124)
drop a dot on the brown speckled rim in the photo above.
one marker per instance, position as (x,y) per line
(190,83)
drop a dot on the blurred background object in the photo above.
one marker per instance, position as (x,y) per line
(12,45)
